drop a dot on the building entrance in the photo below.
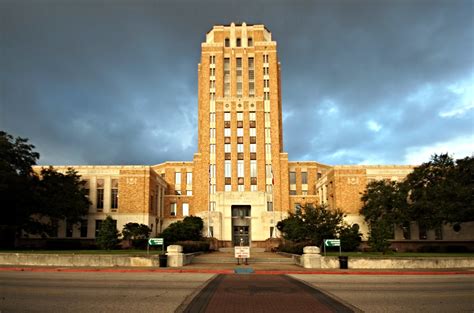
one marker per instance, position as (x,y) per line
(241,225)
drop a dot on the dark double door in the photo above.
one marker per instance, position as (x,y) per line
(241,225)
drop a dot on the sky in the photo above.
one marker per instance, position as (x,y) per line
(115,82)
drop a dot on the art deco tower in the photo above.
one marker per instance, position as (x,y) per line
(241,171)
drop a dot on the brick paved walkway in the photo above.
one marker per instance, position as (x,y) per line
(262,293)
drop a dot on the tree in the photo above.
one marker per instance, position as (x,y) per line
(107,238)
(135,231)
(312,224)
(384,206)
(350,237)
(58,197)
(16,180)
(188,229)
(441,191)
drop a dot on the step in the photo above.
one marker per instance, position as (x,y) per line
(231,249)
(219,260)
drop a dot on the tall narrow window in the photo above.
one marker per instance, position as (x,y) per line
(304,178)
(227,116)
(86,187)
(269,206)
(189,178)
(253,148)
(98,225)
(212,206)
(227,168)
(226,77)
(250,42)
(185,209)
(114,195)
(227,42)
(173,209)
(251,77)
(212,133)
(212,150)
(212,170)
(253,168)
(292,178)
(239,42)
(239,76)
(100,195)
(83,228)
(177,178)
(212,117)
(240,168)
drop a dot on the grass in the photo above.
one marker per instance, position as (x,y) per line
(398,254)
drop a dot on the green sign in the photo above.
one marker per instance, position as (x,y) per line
(332,242)
(155,241)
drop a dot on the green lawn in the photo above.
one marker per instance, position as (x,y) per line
(108,252)
(398,254)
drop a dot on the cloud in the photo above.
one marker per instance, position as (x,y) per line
(458,148)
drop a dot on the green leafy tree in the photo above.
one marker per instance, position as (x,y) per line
(107,237)
(312,224)
(17,181)
(350,237)
(384,206)
(189,229)
(58,197)
(135,231)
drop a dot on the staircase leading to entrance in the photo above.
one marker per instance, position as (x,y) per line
(226,255)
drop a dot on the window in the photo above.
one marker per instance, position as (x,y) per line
(240,168)
(86,187)
(212,133)
(189,192)
(100,195)
(239,76)
(253,147)
(189,178)
(268,171)
(251,77)
(250,42)
(268,148)
(185,209)
(227,147)
(266,95)
(212,170)
(212,189)
(272,229)
(265,58)
(227,132)
(212,206)
(240,132)
(240,148)
(83,228)
(292,178)
(438,233)
(227,188)
(406,231)
(240,188)
(266,83)
(253,132)
(422,232)
(297,208)
(252,116)
(253,187)
(269,206)
(227,168)
(239,42)
(268,133)
(212,117)
(253,168)
(267,117)
(226,77)
(69,226)
(292,192)
(177,175)
(98,224)
(240,116)
(212,59)
(227,42)
(269,188)
(212,149)
(173,209)
(226,116)
(114,195)
(265,71)
(304,178)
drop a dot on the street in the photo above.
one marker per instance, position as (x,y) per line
(165,292)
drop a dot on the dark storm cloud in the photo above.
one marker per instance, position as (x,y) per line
(102,82)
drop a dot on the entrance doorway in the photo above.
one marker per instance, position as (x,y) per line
(241,225)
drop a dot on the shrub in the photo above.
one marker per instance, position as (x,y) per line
(107,237)
(187,230)
(194,246)
(293,247)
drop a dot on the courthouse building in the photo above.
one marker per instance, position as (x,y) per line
(240,181)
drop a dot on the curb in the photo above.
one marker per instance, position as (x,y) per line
(227,271)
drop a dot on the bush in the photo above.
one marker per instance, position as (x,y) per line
(107,237)
(293,247)
(194,246)
(350,238)
(187,230)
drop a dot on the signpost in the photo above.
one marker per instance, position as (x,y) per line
(332,243)
(242,252)
(155,242)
